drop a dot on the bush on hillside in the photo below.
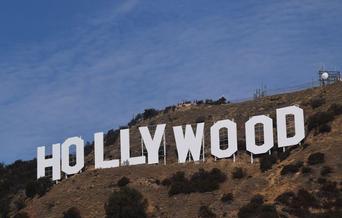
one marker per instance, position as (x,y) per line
(123,181)
(335,109)
(326,170)
(302,203)
(88,148)
(135,119)
(30,190)
(166,182)
(179,184)
(317,102)
(238,173)
(304,199)
(329,190)
(205,212)
(201,181)
(72,212)
(318,119)
(169,109)
(227,198)
(285,198)
(38,187)
(204,181)
(266,162)
(149,113)
(283,155)
(306,170)
(305,145)
(257,209)
(321,180)
(316,158)
(20,203)
(22,215)
(127,202)
(14,177)
(221,100)
(111,136)
(200,119)
(291,168)
(324,128)
(257,199)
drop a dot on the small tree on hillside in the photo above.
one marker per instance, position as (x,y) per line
(72,212)
(127,202)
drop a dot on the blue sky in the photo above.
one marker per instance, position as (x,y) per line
(73,68)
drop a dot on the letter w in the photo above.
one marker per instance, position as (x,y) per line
(189,141)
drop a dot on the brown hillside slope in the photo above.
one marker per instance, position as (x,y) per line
(89,190)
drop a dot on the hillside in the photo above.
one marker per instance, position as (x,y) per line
(90,190)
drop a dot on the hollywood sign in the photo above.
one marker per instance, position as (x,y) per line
(187,142)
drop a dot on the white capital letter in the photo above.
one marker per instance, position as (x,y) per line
(152,145)
(298,114)
(125,151)
(250,134)
(189,142)
(215,138)
(79,143)
(99,161)
(54,162)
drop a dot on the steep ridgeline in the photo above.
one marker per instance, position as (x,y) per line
(303,181)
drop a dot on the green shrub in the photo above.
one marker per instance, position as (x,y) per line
(317,102)
(20,204)
(43,185)
(291,168)
(205,212)
(169,108)
(201,181)
(127,202)
(221,100)
(324,202)
(326,170)
(316,158)
(180,187)
(72,212)
(123,181)
(30,189)
(4,206)
(238,173)
(318,119)
(166,182)
(22,215)
(149,113)
(283,155)
(257,199)
(324,128)
(179,184)
(285,198)
(227,198)
(306,170)
(329,190)
(321,180)
(200,119)
(38,187)
(257,209)
(111,136)
(304,199)
(266,162)
(305,145)
(335,109)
